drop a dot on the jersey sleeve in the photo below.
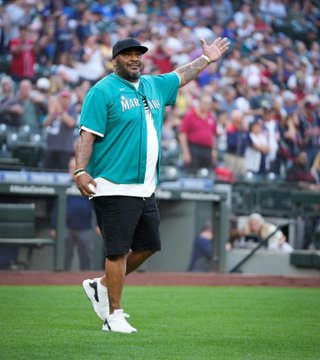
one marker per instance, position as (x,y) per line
(93,116)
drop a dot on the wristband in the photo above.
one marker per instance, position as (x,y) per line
(80,173)
(206,58)
(77,171)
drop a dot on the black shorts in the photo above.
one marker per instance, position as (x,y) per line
(128,222)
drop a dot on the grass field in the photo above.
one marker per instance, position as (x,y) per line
(56,322)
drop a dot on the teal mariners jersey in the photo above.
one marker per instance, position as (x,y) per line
(113,110)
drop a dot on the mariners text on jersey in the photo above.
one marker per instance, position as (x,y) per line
(128,104)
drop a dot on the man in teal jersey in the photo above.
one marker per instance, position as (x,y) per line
(118,164)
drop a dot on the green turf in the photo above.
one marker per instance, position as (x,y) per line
(56,322)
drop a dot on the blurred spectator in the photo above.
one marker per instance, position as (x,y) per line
(261,26)
(222,143)
(310,127)
(271,129)
(228,103)
(257,149)
(315,168)
(251,75)
(243,14)
(173,45)
(245,30)
(90,67)
(40,96)
(187,46)
(45,47)
(23,54)
(63,36)
(67,69)
(34,104)
(237,136)
(161,56)
(254,96)
(85,26)
(233,62)
(201,30)
(271,62)
(209,75)
(258,226)
(295,12)
(289,59)
(187,97)
(16,14)
(106,50)
(126,8)
(299,171)
(60,123)
(197,136)
(4,29)
(272,9)
(80,92)
(222,10)
(301,81)
(290,141)
(289,102)
(10,109)
(202,252)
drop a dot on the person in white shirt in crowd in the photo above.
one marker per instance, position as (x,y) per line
(91,66)
(271,129)
(257,225)
(257,149)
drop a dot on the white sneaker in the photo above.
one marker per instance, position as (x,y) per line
(98,296)
(116,322)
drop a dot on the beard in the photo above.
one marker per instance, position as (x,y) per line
(127,74)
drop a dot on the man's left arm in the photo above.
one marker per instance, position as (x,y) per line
(211,53)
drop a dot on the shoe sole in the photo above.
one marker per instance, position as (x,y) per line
(107,329)
(90,292)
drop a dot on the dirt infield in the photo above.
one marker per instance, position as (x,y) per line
(158,278)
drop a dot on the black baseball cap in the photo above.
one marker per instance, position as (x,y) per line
(126,44)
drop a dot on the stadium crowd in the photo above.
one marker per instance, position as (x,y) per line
(263,97)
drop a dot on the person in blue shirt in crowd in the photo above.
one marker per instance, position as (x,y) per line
(202,253)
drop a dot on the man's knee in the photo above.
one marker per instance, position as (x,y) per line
(115,258)
(142,253)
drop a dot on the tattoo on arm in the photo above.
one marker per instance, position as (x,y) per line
(84,149)
(190,71)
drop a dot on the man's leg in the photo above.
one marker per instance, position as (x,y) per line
(133,260)
(144,217)
(116,270)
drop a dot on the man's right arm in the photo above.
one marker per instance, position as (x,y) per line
(84,148)
(82,155)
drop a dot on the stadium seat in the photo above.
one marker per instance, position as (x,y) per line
(16,221)
(305,258)
(26,145)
